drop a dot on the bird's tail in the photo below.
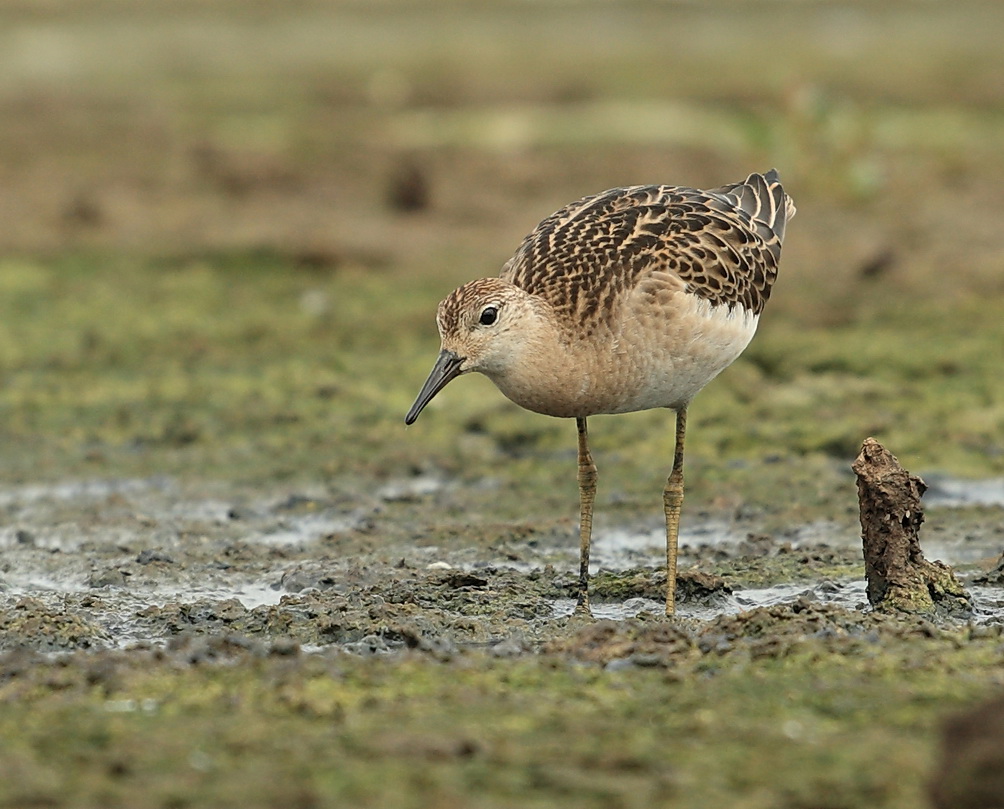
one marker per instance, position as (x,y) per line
(763,198)
(770,204)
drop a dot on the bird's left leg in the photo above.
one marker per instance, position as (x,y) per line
(672,498)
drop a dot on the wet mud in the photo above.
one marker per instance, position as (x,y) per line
(106,565)
(289,645)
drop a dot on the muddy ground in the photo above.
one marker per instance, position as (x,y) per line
(231,577)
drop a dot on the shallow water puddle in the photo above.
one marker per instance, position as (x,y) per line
(988,602)
(955,492)
(77,490)
(849,594)
(623,548)
(307,528)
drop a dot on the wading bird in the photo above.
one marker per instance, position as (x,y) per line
(626,300)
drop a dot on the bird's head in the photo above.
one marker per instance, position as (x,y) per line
(484,326)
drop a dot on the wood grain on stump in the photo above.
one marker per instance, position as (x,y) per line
(899,577)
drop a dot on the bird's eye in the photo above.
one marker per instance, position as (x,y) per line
(488,315)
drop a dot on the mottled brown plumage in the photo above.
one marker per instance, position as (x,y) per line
(626,300)
(721,243)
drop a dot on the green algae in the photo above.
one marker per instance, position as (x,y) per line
(833,718)
(120,368)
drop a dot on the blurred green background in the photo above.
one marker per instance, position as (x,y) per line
(226,226)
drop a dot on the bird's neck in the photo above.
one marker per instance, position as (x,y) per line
(547,374)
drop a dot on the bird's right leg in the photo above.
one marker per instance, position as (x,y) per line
(587,494)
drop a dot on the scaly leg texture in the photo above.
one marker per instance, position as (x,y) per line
(587,494)
(672,498)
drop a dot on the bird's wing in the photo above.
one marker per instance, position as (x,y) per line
(723,244)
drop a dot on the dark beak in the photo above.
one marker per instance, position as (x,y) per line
(446,368)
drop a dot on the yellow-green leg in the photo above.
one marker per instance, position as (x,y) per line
(587,494)
(672,498)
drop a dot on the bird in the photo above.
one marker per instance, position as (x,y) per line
(630,299)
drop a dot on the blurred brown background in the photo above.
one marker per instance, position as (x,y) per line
(315,127)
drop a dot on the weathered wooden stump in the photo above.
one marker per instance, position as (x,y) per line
(899,578)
